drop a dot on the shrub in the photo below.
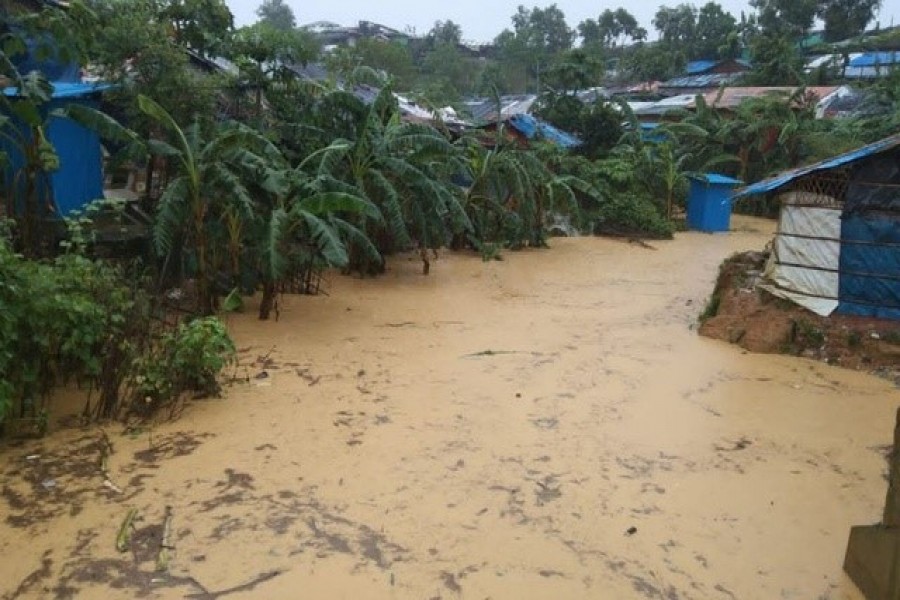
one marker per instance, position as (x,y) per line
(186,359)
(631,214)
(56,321)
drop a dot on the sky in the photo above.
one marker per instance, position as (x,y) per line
(481,20)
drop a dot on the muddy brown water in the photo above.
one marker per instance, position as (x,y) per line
(548,426)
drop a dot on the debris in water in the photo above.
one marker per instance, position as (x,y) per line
(49,484)
(631,530)
(110,485)
(124,536)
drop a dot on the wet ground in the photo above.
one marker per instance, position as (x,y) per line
(548,426)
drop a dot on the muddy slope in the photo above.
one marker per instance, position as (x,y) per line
(548,426)
(741,313)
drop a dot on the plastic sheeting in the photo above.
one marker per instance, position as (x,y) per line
(79,180)
(807,257)
(870,265)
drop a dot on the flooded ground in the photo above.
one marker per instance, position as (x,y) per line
(549,426)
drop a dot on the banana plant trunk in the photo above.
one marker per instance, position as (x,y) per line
(267,304)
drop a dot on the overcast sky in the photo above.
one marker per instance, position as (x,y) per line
(481,20)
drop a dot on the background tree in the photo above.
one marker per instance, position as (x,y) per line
(846,18)
(202,25)
(652,62)
(775,60)
(276,14)
(715,27)
(677,26)
(443,32)
(611,28)
(785,17)
(537,37)
(392,58)
(266,56)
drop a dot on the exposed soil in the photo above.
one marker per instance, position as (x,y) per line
(546,426)
(741,313)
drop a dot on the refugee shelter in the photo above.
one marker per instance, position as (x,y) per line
(837,248)
(79,178)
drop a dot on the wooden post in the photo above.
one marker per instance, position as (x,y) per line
(873,551)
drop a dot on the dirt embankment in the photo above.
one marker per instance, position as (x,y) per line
(741,313)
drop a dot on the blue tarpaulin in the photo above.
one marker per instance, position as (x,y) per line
(870,266)
(873,59)
(79,179)
(695,67)
(532,127)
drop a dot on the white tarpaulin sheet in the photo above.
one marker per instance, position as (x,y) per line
(807,257)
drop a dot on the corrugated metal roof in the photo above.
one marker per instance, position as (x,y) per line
(731,97)
(701,81)
(531,127)
(782,179)
(64,89)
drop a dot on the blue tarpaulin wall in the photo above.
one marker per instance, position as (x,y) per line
(79,179)
(870,265)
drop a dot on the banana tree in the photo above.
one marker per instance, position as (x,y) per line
(311,225)
(404,169)
(206,190)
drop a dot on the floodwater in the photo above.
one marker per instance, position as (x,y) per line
(549,426)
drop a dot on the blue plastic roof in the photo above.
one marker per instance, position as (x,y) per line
(695,67)
(716,179)
(65,89)
(779,181)
(530,127)
(872,59)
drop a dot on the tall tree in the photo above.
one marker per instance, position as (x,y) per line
(775,61)
(202,25)
(677,26)
(276,14)
(714,25)
(846,18)
(785,17)
(444,32)
(544,30)
(611,28)
(537,37)
(393,58)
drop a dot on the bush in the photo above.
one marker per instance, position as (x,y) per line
(74,319)
(631,214)
(57,319)
(187,359)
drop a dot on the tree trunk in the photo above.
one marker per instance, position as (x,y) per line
(268,300)
(426,264)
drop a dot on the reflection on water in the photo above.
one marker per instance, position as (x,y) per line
(548,426)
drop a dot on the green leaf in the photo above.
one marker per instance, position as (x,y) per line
(331,202)
(327,240)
